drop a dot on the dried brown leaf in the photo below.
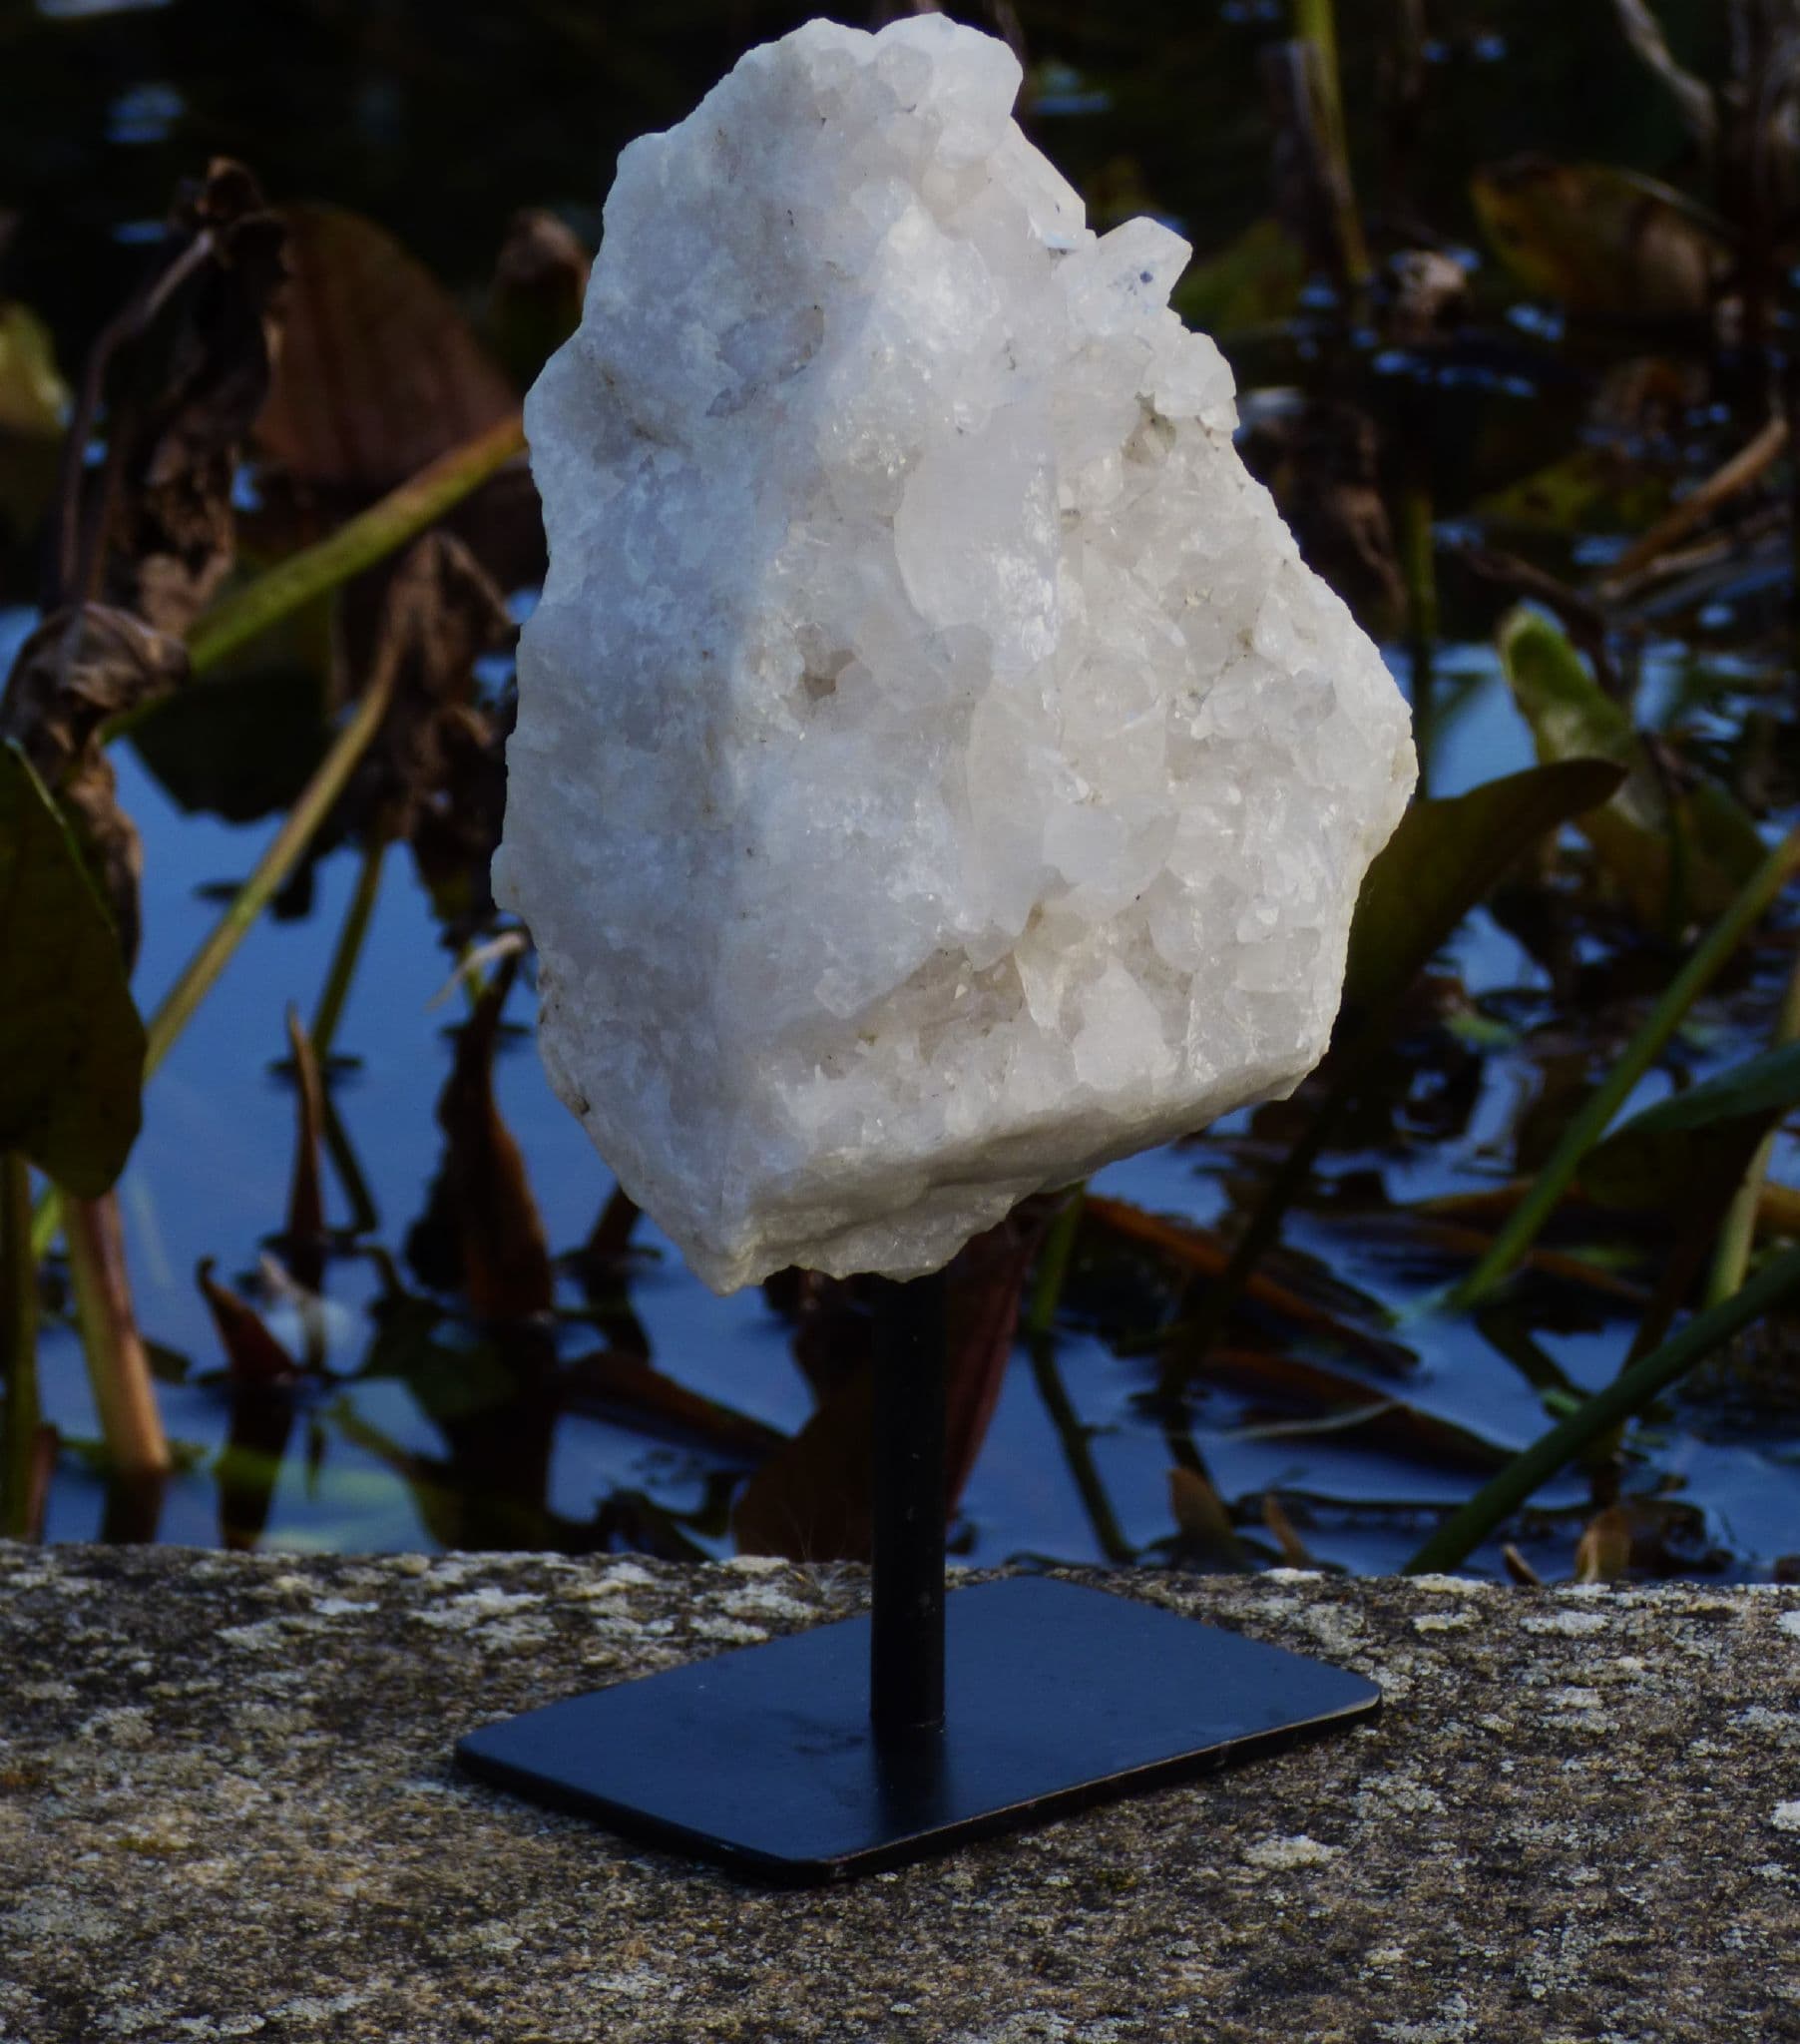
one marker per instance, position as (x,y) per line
(1198,1249)
(810,1500)
(379,371)
(503,1252)
(610,1240)
(1607,242)
(1202,1518)
(436,773)
(1519,1569)
(253,1354)
(192,378)
(1294,1550)
(79,669)
(1603,1552)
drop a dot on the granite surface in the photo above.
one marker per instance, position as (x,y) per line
(227,1810)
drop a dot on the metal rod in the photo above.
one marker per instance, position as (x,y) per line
(906,1662)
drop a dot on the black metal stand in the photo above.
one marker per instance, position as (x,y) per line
(860,1746)
(906,1604)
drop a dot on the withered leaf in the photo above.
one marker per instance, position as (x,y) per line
(1199,1249)
(613,1383)
(1202,1518)
(435,774)
(1603,1552)
(1294,1550)
(253,1354)
(379,371)
(811,1500)
(1606,241)
(79,669)
(264,1379)
(504,1255)
(1518,1569)
(187,389)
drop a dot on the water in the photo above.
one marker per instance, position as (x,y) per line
(424,1428)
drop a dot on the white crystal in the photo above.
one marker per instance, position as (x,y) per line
(937,774)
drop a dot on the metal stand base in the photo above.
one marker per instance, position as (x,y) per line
(765,1759)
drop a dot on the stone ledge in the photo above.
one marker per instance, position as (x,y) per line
(227,1810)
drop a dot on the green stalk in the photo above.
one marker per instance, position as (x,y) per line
(271,873)
(22,1415)
(118,1365)
(1053,1264)
(357,544)
(1737,1233)
(1315,23)
(1624,1399)
(349,949)
(1585,1127)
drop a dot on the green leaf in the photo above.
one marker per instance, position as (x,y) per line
(1608,243)
(33,398)
(1445,856)
(1652,1160)
(1592,489)
(33,402)
(379,372)
(1707,843)
(1254,281)
(244,745)
(71,1042)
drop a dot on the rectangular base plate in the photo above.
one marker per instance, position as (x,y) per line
(1057,1697)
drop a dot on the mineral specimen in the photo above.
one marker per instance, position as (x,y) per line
(936,773)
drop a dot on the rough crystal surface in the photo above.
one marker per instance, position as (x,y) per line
(937,774)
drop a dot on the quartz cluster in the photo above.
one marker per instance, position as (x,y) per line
(936,774)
